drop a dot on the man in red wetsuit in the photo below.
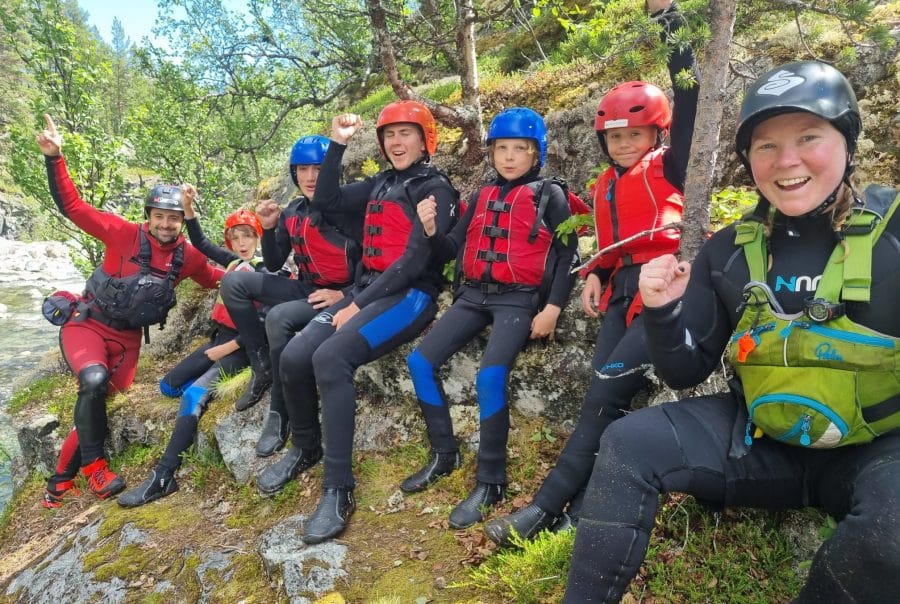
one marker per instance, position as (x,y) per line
(131,290)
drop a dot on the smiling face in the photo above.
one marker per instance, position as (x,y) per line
(403,144)
(513,157)
(797,160)
(165,225)
(627,145)
(243,241)
(307,175)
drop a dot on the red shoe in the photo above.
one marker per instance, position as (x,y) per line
(53,496)
(101,481)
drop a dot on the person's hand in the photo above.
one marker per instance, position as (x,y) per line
(590,295)
(344,126)
(663,279)
(216,353)
(427,210)
(544,323)
(188,194)
(344,315)
(49,140)
(658,5)
(268,212)
(323,298)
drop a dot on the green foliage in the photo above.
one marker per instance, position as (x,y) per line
(205,463)
(729,204)
(39,390)
(543,433)
(572,225)
(535,573)
(372,105)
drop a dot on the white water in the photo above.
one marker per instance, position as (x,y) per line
(28,272)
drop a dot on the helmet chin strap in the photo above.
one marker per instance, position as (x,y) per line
(829,201)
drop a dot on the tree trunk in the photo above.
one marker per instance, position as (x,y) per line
(702,164)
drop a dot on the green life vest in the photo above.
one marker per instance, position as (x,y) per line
(816,378)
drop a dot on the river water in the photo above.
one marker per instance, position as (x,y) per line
(28,272)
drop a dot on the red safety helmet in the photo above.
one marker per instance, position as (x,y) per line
(633,104)
(408,112)
(242,217)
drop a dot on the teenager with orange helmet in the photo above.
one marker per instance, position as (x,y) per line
(392,301)
(194,378)
(640,190)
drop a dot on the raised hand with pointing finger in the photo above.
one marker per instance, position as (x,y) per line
(49,140)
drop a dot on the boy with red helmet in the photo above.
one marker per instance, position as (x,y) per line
(392,301)
(514,275)
(131,290)
(640,190)
(194,378)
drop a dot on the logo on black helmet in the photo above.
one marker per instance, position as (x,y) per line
(780,82)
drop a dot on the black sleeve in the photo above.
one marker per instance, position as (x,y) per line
(332,198)
(686,337)
(276,242)
(566,253)
(418,254)
(445,247)
(684,110)
(219,255)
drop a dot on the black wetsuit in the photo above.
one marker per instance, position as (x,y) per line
(510,313)
(395,306)
(684,446)
(620,358)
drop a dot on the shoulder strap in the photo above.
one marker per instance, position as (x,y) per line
(750,234)
(542,195)
(144,252)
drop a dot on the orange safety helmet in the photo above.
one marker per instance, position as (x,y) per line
(242,217)
(412,112)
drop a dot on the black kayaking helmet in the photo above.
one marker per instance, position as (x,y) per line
(809,86)
(163,197)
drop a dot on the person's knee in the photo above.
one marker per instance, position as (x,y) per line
(330,362)
(234,285)
(93,380)
(278,320)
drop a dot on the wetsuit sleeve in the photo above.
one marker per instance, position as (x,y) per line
(686,337)
(566,253)
(198,269)
(418,254)
(276,242)
(684,112)
(105,226)
(332,198)
(445,247)
(206,247)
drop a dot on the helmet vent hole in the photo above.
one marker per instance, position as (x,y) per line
(636,109)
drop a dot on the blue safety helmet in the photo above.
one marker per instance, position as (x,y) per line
(308,151)
(519,122)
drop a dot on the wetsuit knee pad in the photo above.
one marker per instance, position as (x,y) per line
(173,391)
(422,373)
(490,385)
(93,380)
(193,401)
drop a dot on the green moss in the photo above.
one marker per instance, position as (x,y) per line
(42,390)
(247,582)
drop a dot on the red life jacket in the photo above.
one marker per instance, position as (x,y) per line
(386,230)
(501,244)
(638,200)
(322,253)
(219,313)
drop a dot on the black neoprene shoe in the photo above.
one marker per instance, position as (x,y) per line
(259,383)
(274,435)
(526,523)
(156,486)
(277,475)
(471,509)
(331,516)
(440,464)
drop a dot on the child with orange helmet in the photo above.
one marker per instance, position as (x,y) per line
(392,301)
(641,190)
(194,377)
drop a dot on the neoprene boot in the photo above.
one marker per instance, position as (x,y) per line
(526,523)
(274,434)
(259,381)
(472,508)
(331,516)
(439,465)
(277,475)
(102,481)
(158,484)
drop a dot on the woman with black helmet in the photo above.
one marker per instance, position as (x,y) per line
(805,290)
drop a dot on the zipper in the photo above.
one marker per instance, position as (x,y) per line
(853,338)
(802,427)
